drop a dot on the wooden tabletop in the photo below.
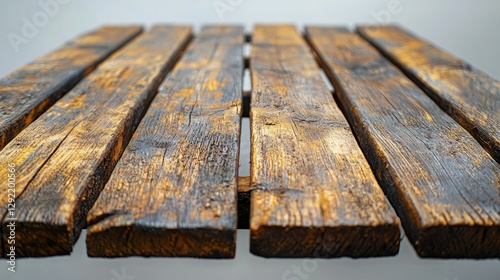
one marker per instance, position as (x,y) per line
(136,135)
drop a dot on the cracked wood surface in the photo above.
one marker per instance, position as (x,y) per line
(174,191)
(64,158)
(444,186)
(469,95)
(312,191)
(30,90)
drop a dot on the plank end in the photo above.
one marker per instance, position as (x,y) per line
(146,241)
(458,242)
(325,242)
(34,239)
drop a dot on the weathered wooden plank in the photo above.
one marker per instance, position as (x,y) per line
(313,193)
(30,90)
(444,186)
(64,158)
(174,191)
(466,93)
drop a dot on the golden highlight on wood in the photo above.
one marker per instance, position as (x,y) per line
(65,157)
(30,90)
(173,192)
(409,122)
(444,186)
(313,193)
(467,94)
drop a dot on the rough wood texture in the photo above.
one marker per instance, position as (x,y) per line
(64,158)
(313,193)
(444,186)
(174,191)
(469,95)
(30,90)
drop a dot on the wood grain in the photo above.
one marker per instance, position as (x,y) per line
(30,90)
(466,93)
(313,193)
(174,191)
(443,185)
(65,157)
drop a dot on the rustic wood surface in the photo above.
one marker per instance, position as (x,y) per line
(444,186)
(313,193)
(30,90)
(469,95)
(64,158)
(174,191)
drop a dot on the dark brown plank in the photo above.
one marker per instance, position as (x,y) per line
(443,185)
(174,191)
(65,157)
(466,93)
(244,202)
(313,193)
(30,90)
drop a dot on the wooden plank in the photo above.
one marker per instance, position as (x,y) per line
(174,191)
(30,90)
(443,185)
(313,193)
(65,157)
(466,93)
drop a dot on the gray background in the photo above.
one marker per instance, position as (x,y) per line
(466,28)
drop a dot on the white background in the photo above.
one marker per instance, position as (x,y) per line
(468,29)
